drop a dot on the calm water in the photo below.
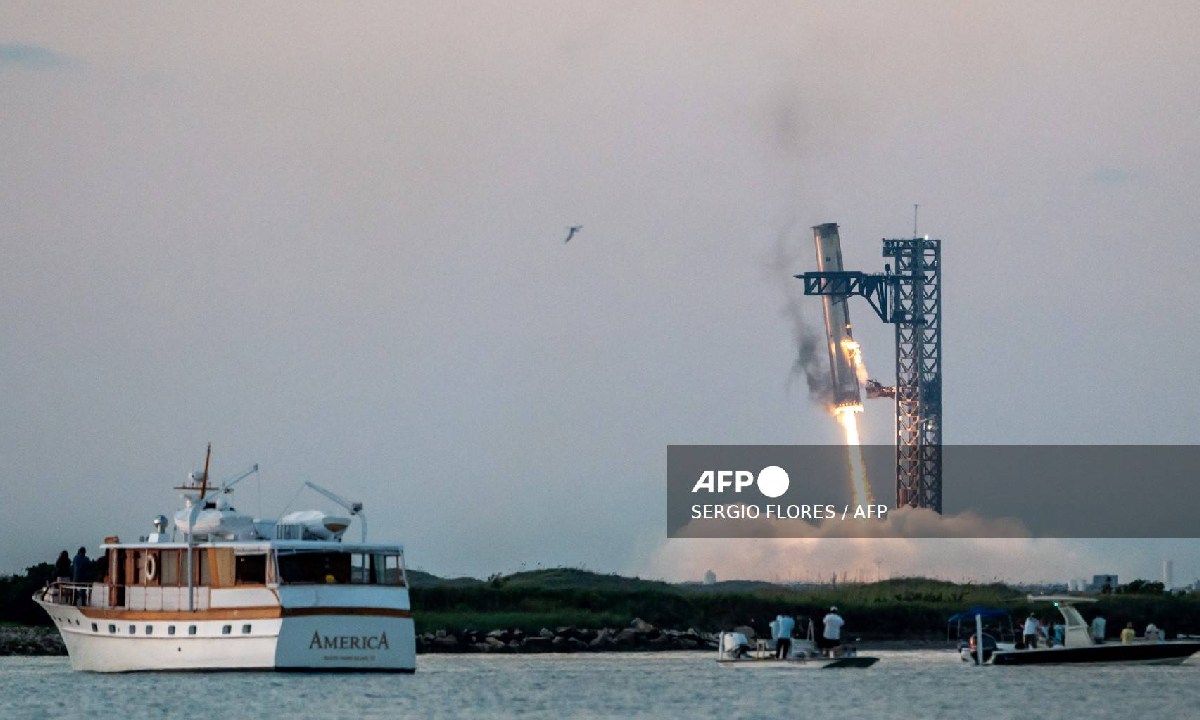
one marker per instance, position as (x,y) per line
(925,684)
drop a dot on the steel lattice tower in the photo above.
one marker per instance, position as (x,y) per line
(917,312)
(911,299)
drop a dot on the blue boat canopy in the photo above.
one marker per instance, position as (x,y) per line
(987,613)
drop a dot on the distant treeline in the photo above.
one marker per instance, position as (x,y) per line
(903,608)
(16,595)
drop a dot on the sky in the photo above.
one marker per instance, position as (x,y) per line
(328,239)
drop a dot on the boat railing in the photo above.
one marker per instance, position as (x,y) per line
(126,597)
(72,593)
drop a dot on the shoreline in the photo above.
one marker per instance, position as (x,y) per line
(39,641)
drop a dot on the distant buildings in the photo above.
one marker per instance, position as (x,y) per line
(1100,582)
(710,578)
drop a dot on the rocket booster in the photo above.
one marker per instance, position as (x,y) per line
(842,346)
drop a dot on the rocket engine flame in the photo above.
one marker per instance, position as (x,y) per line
(851,347)
(860,486)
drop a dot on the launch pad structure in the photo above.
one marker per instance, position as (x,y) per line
(910,298)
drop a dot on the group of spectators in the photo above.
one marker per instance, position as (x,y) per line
(75,571)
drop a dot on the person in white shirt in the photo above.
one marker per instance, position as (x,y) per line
(783,644)
(832,636)
(1031,632)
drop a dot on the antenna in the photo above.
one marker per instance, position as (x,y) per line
(204,482)
(915,208)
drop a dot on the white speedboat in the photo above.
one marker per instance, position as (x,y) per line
(233,593)
(734,650)
(1079,646)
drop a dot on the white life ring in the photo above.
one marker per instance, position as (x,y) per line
(151,567)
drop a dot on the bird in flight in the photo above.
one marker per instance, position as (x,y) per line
(571,232)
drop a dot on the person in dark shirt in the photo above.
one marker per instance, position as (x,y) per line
(81,572)
(62,567)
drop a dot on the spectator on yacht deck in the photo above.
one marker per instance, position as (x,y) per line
(81,572)
(62,567)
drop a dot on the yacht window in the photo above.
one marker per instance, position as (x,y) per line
(191,629)
(112,628)
(251,569)
(170,629)
(225,630)
(149,629)
(360,569)
(245,629)
(133,629)
(94,628)
(314,567)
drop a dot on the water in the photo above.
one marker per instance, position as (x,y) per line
(921,684)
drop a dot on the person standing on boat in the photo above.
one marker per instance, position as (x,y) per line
(783,644)
(62,572)
(1030,632)
(832,636)
(81,572)
(1128,634)
(62,567)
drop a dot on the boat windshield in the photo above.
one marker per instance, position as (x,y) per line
(331,567)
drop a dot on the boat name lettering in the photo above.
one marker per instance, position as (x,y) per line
(348,642)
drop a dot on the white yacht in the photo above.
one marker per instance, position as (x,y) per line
(222,591)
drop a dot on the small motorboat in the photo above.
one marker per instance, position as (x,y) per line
(734,650)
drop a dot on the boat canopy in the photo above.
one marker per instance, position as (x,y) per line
(985,612)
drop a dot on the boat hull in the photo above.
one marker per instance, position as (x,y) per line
(855,661)
(1167,653)
(301,639)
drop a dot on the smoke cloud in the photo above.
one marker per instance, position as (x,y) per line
(810,362)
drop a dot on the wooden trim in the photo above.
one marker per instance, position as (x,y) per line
(237,613)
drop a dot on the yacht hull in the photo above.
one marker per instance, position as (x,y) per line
(301,639)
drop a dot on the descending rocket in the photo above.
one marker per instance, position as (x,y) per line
(843,349)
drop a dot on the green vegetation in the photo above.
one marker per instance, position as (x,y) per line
(903,608)
(16,595)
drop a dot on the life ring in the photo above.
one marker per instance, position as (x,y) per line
(151,567)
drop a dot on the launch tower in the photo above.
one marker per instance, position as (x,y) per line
(910,297)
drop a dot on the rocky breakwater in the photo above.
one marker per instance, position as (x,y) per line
(639,636)
(24,640)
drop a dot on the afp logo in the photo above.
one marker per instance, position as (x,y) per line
(772,481)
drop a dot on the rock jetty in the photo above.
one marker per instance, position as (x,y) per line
(25,640)
(639,636)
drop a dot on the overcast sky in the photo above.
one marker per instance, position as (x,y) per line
(328,238)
